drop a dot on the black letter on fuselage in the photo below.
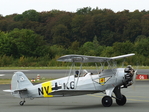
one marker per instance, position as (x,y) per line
(46,89)
(72,85)
(40,91)
(65,87)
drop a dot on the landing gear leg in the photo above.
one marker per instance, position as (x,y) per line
(22,102)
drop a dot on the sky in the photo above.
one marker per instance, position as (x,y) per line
(8,7)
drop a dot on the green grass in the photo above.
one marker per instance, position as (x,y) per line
(5,81)
(8,81)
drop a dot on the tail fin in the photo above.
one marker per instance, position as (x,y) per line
(20,81)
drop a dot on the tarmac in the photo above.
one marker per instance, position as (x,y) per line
(7,74)
(137,101)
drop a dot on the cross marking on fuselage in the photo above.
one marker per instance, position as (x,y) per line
(56,87)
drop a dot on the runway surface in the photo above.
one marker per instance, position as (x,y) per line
(7,74)
(137,101)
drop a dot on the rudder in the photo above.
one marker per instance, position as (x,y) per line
(20,81)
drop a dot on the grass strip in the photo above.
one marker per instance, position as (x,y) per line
(8,81)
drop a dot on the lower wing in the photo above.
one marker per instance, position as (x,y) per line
(73,92)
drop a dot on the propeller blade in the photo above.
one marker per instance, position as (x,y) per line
(134,79)
(134,76)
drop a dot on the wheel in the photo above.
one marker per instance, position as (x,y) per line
(107,101)
(22,103)
(122,101)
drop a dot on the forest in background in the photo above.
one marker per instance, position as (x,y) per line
(39,38)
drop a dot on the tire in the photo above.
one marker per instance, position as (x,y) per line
(22,103)
(122,101)
(107,101)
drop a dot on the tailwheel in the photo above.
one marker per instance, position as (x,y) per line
(107,101)
(122,101)
(22,103)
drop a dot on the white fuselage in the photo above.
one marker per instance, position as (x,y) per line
(107,79)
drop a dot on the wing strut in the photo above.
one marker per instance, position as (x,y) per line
(73,64)
(78,75)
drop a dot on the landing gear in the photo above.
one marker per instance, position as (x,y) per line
(121,101)
(120,98)
(22,102)
(107,101)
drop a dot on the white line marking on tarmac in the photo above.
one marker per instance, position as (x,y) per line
(2,74)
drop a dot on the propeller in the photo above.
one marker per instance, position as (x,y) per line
(134,79)
(134,76)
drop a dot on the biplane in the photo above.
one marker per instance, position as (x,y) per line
(79,82)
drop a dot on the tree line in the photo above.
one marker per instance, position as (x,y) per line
(39,38)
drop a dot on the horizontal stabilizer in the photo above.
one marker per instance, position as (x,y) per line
(10,91)
(73,92)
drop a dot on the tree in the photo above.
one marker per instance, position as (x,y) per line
(31,15)
(3,25)
(75,47)
(58,50)
(107,52)
(84,10)
(61,41)
(18,17)
(88,49)
(100,25)
(141,46)
(7,46)
(132,30)
(95,42)
(123,48)
(145,25)
(60,30)
(77,24)
(60,35)
(29,43)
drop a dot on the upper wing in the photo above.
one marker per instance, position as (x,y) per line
(84,58)
(73,92)
(122,56)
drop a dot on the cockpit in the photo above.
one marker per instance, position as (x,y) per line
(83,74)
